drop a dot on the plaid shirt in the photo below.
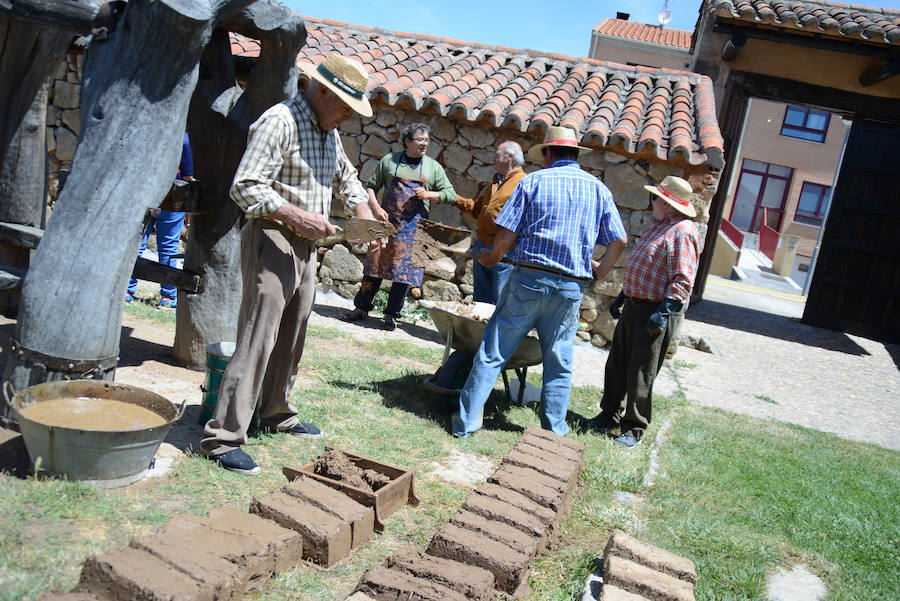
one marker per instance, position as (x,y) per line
(664,261)
(289,159)
(559,214)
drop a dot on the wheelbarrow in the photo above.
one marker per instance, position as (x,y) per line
(461,326)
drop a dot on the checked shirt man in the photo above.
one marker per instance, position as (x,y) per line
(550,224)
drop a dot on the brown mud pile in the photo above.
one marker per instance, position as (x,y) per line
(360,231)
(336,465)
(432,240)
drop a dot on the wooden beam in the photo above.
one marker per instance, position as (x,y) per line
(71,15)
(145,269)
(880,73)
(11,277)
(183,197)
(733,45)
(24,236)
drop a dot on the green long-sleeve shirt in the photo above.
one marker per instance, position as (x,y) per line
(432,173)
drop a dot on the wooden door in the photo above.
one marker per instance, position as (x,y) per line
(856,284)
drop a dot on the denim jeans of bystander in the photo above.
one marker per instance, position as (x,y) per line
(488,281)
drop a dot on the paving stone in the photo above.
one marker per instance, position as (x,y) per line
(128,574)
(326,538)
(641,580)
(521,481)
(498,531)
(385,584)
(549,445)
(560,440)
(470,581)
(329,500)
(608,592)
(283,544)
(658,559)
(562,471)
(509,567)
(501,511)
(226,579)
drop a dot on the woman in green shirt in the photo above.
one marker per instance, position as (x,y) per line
(410,181)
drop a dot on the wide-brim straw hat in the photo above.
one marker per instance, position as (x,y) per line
(345,77)
(677,193)
(557,136)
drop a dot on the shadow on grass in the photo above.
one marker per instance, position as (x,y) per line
(375,322)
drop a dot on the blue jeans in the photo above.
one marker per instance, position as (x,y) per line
(168,232)
(488,281)
(531,299)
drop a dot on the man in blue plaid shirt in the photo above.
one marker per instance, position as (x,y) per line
(550,224)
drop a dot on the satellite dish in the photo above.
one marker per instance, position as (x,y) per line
(664,17)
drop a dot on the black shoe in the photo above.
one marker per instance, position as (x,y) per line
(236,460)
(299,429)
(600,424)
(355,315)
(626,440)
(390,323)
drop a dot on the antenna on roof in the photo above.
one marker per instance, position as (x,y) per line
(664,17)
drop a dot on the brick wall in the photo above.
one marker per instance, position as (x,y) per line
(604,49)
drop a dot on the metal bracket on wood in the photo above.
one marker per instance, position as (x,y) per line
(733,46)
(880,73)
(78,368)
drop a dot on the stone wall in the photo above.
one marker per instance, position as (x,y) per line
(63,118)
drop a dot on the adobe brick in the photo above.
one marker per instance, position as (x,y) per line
(128,574)
(360,596)
(655,558)
(547,445)
(494,509)
(509,567)
(326,539)
(284,545)
(567,456)
(329,500)
(608,592)
(385,583)
(73,596)
(253,557)
(526,482)
(556,438)
(641,580)
(470,581)
(562,471)
(502,493)
(226,579)
(498,531)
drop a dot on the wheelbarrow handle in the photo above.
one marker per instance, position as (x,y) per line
(181,410)
(9,391)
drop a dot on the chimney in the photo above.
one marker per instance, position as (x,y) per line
(622,16)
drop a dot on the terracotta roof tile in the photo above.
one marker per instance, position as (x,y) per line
(633,30)
(635,109)
(879,25)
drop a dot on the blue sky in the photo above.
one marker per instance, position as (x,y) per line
(520,24)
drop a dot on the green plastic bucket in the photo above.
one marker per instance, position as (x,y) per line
(218,355)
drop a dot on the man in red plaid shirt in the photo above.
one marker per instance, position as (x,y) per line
(658,282)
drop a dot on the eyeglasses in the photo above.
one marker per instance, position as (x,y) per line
(420,140)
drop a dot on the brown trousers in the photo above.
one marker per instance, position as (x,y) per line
(634,361)
(279,287)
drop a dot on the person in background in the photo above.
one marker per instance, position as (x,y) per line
(550,224)
(168,225)
(410,182)
(508,161)
(658,282)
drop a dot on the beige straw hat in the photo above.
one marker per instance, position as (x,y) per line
(677,192)
(345,77)
(557,136)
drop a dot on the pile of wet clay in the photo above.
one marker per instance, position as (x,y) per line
(336,465)
(432,241)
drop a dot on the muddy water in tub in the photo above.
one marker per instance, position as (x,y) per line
(90,413)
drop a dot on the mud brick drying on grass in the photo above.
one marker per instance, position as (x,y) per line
(513,538)
(336,503)
(646,582)
(73,596)
(628,547)
(284,546)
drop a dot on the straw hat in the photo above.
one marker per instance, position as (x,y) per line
(557,136)
(345,77)
(677,192)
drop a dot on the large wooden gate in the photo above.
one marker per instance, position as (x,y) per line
(856,284)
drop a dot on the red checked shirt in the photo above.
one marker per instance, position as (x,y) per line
(664,261)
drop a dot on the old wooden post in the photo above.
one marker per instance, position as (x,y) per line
(220,116)
(134,106)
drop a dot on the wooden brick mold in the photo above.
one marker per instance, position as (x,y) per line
(635,570)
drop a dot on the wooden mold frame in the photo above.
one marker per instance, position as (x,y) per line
(385,501)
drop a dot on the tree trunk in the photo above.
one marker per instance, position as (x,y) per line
(219,120)
(134,106)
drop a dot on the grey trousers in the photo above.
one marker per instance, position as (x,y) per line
(279,287)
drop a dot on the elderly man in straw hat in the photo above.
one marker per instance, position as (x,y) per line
(658,282)
(284,186)
(549,227)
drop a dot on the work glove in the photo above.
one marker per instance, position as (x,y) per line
(615,309)
(659,320)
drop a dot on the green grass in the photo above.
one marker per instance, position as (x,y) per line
(766,399)
(739,496)
(148,308)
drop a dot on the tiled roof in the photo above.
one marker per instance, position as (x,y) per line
(633,30)
(661,112)
(835,19)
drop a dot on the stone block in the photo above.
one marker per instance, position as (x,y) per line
(386,117)
(128,574)
(614,157)
(353,125)
(351,147)
(375,146)
(588,315)
(330,500)
(283,545)
(561,470)
(326,538)
(659,171)
(485,155)
(440,290)
(480,173)
(470,581)
(72,119)
(443,129)
(66,95)
(599,340)
(611,285)
(66,142)
(457,158)
(443,268)
(477,137)
(498,531)
(640,222)
(526,481)
(641,580)
(384,583)
(367,169)
(340,264)
(627,186)
(506,513)
(509,567)
(605,325)
(652,557)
